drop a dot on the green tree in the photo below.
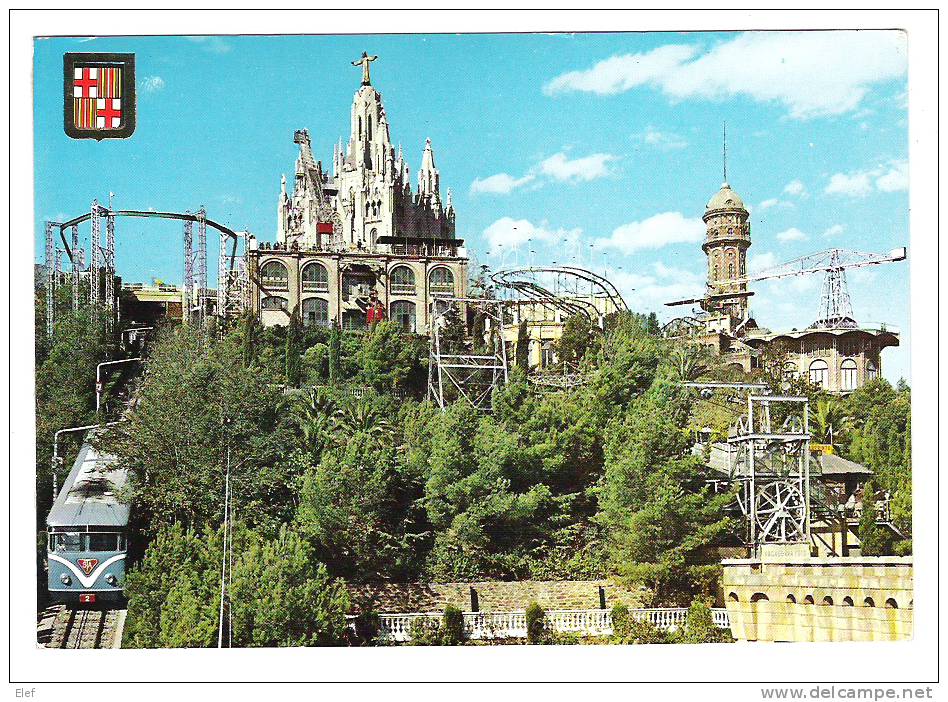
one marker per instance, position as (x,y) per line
(250,329)
(282,596)
(65,394)
(655,506)
(294,363)
(335,345)
(699,624)
(199,410)
(522,351)
(357,508)
(391,360)
(874,539)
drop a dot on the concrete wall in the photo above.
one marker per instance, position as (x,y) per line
(820,599)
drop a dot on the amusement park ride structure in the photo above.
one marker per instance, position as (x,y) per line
(456,370)
(234,278)
(836,309)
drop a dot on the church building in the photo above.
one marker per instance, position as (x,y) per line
(360,245)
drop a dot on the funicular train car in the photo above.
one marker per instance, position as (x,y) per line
(87,529)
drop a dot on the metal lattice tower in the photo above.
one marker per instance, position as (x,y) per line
(835,306)
(200,274)
(243,269)
(223,280)
(769,456)
(94,251)
(50,280)
(76,267)
(454,370)
(188,270)
(109,269)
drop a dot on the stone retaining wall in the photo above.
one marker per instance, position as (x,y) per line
(490,596)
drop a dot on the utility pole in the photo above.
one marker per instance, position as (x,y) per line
(54,462)
(98,378)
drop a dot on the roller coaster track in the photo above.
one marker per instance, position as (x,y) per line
(523,281)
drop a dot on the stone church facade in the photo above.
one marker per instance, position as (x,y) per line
(361,244)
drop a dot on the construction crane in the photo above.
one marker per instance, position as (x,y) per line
(836,309)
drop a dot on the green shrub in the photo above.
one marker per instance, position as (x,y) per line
(621,621)
(699,625)
(453,626)
(535,624)
(425,631)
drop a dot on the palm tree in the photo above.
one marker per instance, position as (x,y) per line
(687,363)
(361,416)
(315,418)
(827,421)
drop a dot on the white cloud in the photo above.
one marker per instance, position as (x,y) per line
(651,291)
(891,177)
(508,233)
(811,73)
(152,84)
(653,233)
(795,188)
(499,184)
(621,73)
(895,178)
(587,168)
(774,202)
(758,262)
(791,234)
(855,184)
(665,141)
(835,230)
(212,45)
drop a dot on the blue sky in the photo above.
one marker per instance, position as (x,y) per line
(601,149)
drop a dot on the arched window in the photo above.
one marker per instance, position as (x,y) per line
(369,134)
(847,602)
(403,314)
(848,373)
(759,597)
(808,599)
(732,597)
(315,312)
(869,602)
(273,275)
(791,599)
(871,371)
(891,604)
(373,235)
(402,280)
(441,281)
(315,277)
(360,127)
(819,373)
(828,601)
(272,302)
(789,370)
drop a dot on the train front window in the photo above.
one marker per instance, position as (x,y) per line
(103,542)
(69,542)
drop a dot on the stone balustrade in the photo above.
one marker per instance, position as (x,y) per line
(513,624)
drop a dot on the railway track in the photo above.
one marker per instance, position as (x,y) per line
(80,627)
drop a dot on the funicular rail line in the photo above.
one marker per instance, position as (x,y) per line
(79,627)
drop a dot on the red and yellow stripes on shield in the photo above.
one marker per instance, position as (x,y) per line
(109,86)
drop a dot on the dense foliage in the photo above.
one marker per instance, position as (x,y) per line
(340,471)
(280,595)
